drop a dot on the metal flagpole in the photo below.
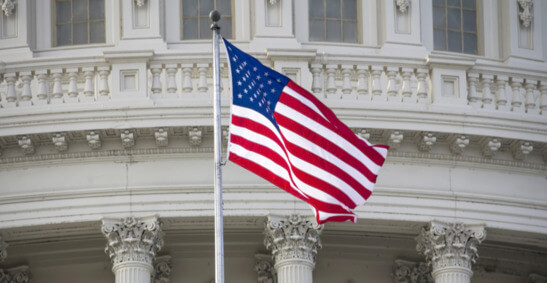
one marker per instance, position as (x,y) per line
(219,229)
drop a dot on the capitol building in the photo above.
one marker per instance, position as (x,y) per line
(106,141)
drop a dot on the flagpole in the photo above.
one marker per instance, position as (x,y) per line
(219,230)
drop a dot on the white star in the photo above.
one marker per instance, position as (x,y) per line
(260,104)
(272,90)
(244,63)
(244,79)
(238,82)
(261,86)
(239,95)
(255,68)
(278,80)
(266,74)
(269,102)
(269,82)
(258,77)
(229,48)
(234,59)
(250,87)
(251,99)
(237,71)
(245,91)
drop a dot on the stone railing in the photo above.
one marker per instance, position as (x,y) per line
(413,84)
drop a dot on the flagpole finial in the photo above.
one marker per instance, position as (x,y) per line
(215,17)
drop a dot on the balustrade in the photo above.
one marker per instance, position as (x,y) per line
(346,81)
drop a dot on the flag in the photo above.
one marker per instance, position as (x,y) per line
(284,134)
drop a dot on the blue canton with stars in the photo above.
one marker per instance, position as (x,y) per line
(254,85)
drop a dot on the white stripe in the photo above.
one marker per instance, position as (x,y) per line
(324,154)
(303,100)
(313,106)
(298,185)
(328,134)
(325,215)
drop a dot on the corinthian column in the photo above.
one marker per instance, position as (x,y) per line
(294,242)
(132,247)
(450,249)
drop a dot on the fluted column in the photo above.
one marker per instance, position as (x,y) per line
(294,242)
(450,249)
(132,247)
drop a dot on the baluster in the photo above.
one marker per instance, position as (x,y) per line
(421,90)
(531,97)
(376,83)
(331,83)
(543,98)
(104,91)
(11,96)
(392,93)
(347,70)
(42,94)
(362,82)
(57,93)
(202,70)
(171,81)
(406,90)
(473,97)
(317,85)
(72,84)
(26,95)
(516,99)
(501,95)
(187,77)
(156,83)
(89,87)
(487,97)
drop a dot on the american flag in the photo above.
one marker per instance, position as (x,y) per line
(284,134)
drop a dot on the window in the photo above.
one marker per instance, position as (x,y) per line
(79,22)
(195,18)
(333,20)
(455,26)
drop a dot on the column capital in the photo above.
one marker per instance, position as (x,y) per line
(133,239)
(264,267)
(450,245)
(162,269)
(19,274)
(293,238)
(405,271)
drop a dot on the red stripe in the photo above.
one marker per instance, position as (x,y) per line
(326,144)
(336,124)
(324,164)
(285,185)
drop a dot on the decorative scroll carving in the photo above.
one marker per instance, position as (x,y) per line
(8,7)
(403,5)
(20,274)
(162,138)
(133,239)
(450,245)
(162,269)
(525,12)
(411,272)
(60,142)
(264,268)
(25,142)
(458,144)
(395,138)
(490,146)
(521,149)
(128,139)
(426,141)
(293,237)
(93,140)
(194,135)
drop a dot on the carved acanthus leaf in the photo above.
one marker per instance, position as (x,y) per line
(162,269)
(133,239)
(294,237)
(8,7)
(411,272)
(20,274)
(450,245)
(264,267)
(403,5)
(525,13)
